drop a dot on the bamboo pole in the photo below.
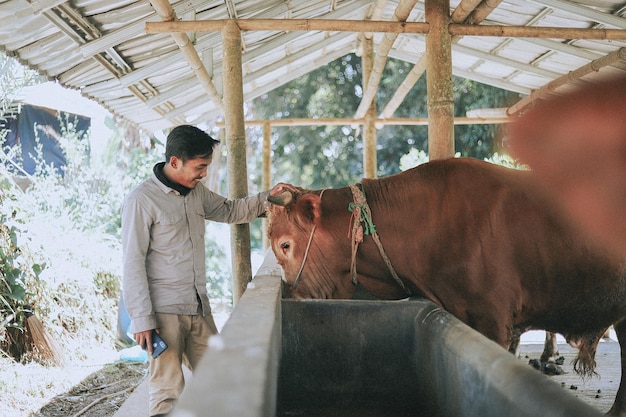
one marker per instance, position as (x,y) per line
(481,12)
(593,66)
(463,10)
(165,11)
(236,147)
(405,87)
(351,121)
(267,172)
(473,10)
(328,25)
(369,126)
(537,32)
(402,12)
(397,27)
(376,13)
(439,81)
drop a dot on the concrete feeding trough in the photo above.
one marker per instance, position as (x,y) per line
(366,358)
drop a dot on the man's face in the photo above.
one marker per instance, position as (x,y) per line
(189,173)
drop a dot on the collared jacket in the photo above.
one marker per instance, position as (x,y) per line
(163,247)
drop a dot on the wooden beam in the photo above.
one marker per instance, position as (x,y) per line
(578,73)
(336,25)
(400,14)
(536,32)
(380,122)
(439,80)
(236,147)
(329,25)
(166,12)
(465,10)
(370,165)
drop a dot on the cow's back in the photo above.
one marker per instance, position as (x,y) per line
(480,240)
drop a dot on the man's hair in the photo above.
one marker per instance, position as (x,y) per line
(188,142)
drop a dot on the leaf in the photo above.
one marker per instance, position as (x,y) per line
(18,292)
(37,268)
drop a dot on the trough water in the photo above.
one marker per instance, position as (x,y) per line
(286,358)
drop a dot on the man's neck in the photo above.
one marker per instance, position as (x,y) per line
(161,171)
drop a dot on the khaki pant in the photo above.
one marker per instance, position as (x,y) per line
(187,339)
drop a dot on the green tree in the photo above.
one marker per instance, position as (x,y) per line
(315,156)
(482,140)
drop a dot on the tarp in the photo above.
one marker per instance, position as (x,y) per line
(40,125)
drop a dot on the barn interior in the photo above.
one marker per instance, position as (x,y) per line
(158,63)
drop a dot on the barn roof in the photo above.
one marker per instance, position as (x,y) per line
(103,48)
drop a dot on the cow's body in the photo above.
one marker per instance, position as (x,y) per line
(475,238)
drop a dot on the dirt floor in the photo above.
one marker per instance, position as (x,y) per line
(100,394)
(598,391)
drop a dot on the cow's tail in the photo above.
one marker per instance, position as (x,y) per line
(585,362)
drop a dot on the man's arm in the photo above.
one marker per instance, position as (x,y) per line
(241,210)
(135,243)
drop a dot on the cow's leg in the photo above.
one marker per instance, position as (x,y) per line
(619,405)
(550,348)
(514,346)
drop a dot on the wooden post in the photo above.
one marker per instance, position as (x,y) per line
(439,80)
(369,126)
(236,147)
(267,171)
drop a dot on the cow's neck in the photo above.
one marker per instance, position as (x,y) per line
(362,224)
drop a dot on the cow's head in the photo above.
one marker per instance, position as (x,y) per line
(302,246)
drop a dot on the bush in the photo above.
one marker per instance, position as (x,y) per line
(59,252)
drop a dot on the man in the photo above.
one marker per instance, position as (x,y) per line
(164,282)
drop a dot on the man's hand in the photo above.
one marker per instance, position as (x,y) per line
(144,339)
(281,187)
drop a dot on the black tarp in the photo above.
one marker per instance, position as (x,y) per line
(34,124)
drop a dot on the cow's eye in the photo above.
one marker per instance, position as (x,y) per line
(285,246)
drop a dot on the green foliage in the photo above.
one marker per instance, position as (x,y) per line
(315,156)
(63,220)
(480,140)
(17,270)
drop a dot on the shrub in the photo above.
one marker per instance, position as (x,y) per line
(65,221)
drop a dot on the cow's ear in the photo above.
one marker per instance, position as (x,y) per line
(308,208)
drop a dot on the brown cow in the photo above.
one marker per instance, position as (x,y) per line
(475,238)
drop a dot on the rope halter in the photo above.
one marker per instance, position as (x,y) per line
(306,251)
(362,224)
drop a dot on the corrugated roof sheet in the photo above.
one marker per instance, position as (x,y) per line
(101,48)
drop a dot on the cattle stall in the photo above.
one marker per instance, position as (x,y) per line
(282,357)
